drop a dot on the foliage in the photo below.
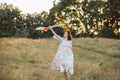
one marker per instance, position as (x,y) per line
(100,13)
(8,13)
(26,24)
(67,12)
(81,17)
(106,32)
(112,16)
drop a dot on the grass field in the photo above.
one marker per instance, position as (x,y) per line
(30,59)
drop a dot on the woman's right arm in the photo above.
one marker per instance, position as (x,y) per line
(55,35)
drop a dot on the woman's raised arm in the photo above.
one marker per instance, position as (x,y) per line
(56,36)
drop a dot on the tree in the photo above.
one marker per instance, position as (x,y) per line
(35,20)
(68,12)
(112,16)
(21,26)
(93,15)
(8,15)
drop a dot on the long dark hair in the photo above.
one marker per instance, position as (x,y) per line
(69,35)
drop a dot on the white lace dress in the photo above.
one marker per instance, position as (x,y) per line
(63,60)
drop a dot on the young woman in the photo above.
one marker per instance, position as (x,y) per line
(63,60)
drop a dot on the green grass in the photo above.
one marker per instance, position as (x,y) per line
(30,59)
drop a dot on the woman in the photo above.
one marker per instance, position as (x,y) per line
(63,60)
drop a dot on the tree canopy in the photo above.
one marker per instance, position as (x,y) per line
(84,18)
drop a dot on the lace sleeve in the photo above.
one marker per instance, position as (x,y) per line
(56,36)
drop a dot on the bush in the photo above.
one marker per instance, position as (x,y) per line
(106,32)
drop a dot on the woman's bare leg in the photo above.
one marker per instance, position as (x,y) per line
(67,75)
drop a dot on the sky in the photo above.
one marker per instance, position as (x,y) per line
(31,6)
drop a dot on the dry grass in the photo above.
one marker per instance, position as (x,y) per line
(30,59)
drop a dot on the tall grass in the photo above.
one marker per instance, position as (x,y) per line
(30,59)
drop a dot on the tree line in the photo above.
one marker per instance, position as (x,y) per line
(84,18)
